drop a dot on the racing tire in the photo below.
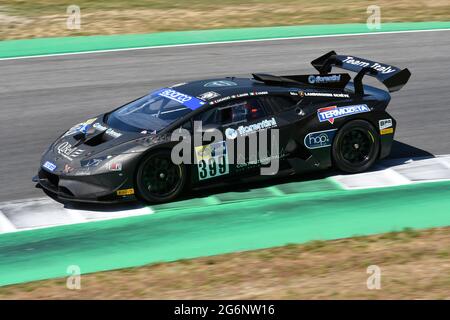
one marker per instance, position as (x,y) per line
(356,147)
(158,179)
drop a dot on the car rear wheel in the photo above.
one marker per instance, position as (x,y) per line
(356,147)
(158,179)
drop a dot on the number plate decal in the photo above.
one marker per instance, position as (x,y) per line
(212,160)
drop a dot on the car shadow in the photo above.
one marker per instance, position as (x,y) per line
(400,153)
(402,150)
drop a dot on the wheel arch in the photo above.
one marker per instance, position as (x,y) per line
(146,154)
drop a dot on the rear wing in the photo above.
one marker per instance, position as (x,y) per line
(392,77)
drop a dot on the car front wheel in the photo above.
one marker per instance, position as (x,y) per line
(158,179)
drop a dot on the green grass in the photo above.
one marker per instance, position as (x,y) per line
(414,265)
(43,18)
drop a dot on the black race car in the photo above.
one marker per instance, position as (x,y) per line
(321,120)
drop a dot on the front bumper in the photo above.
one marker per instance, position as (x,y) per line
(101,188)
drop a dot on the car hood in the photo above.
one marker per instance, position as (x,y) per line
(93,139)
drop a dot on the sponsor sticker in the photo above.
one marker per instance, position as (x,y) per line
(80,128)
(387,131)
(49,166)
(184,99)
(258,93)
(252,164)
(264,124)
(220,83)
(108,131)
(82,172)
(326,95)
(113,133)
(382,68)
(91,162)
(334,112)
(320,139)
(67,151)
(239,95)
(231,133)
(67,168)
(219,100)
(385,123)
(209,95)
(115,166)
(312,79)
(125,192)
(211,150)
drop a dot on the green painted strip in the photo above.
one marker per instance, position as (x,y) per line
(45,46)
(194,229)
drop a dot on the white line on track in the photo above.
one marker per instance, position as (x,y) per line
(395,173)
(38,213)
(76,215)
(220,42)
(444,161)
(5,224)
(399,178)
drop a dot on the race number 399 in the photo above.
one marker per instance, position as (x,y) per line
(212,167)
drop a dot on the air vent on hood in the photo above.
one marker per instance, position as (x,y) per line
(97,139)
(93,139)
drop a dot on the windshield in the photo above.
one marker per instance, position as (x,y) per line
(153,112)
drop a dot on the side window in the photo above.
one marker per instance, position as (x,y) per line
(208,117)
(281,103)
(187,125)
(241,111)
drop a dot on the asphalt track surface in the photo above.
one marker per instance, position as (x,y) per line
(41,97)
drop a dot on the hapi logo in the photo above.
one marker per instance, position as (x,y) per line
(319,139)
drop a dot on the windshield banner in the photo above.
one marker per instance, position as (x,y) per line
(186,100)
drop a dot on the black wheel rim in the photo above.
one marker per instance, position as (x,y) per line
(356,146)
(160,177)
